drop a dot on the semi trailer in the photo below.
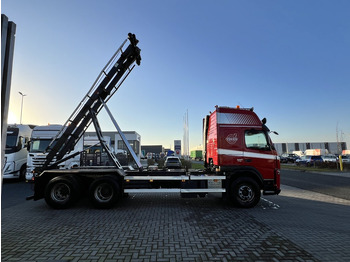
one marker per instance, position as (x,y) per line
(240,159)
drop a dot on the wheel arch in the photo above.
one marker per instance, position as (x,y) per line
(245,172)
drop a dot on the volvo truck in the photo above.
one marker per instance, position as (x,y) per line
(16,151)
(240,158)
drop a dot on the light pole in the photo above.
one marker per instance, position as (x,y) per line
(21,106)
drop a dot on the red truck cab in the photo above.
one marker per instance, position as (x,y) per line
(237,143)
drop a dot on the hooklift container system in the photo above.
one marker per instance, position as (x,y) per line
(239,155)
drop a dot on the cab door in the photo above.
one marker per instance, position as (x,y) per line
(258,152)
(230,146)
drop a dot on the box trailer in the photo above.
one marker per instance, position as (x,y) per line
(316,152)
(197,155)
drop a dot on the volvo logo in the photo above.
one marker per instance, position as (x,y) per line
(232,139)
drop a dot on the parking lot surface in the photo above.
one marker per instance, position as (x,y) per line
(166,227)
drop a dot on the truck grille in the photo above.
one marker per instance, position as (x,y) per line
(39,161)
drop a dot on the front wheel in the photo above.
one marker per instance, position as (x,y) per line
(22,173)
(245,192)
(104,192)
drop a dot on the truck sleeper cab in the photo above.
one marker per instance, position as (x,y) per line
(237,143)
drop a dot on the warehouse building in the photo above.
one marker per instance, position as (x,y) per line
(117,143)
(332,147)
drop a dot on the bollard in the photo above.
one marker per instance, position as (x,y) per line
(341,163)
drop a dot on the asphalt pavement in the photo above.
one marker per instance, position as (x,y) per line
(330,183)
(297,225)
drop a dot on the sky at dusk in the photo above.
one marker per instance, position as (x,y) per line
(290,60)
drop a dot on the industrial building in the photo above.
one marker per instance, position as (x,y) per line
(117,143)
(332,147)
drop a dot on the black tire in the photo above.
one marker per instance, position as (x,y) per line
(22,173)
(245,192)
(61,192)
(104,192)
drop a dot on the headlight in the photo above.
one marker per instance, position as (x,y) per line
(9,167)
(5,161)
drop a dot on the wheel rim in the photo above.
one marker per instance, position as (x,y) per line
(246,193)
(60,192)
(104,192)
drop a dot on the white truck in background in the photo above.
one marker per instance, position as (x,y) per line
(16,151)
(40,139)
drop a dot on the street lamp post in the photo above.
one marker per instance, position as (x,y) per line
(23,95)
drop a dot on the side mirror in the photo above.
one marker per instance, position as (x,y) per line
(20,144)
(28,146)
(24,142)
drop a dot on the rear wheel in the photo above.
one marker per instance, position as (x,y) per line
(245,192)
(61,192)
(104,192)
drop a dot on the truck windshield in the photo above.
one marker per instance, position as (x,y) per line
(39,145)
(11,142)
(256,139)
